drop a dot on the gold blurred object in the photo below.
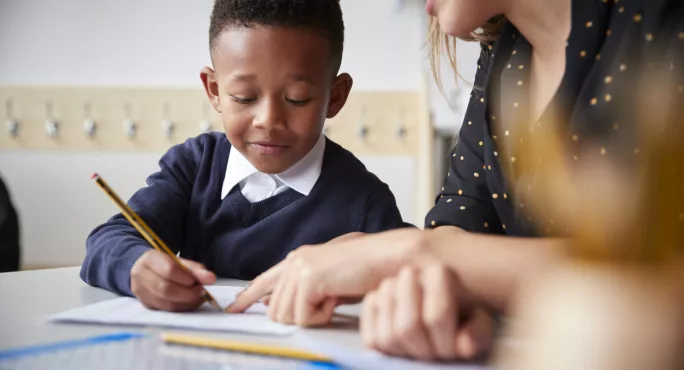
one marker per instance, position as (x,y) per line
(614,302)
(591,317)
(616,209)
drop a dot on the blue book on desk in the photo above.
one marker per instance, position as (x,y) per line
(130,350)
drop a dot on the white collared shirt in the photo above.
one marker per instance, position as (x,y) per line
(257,186)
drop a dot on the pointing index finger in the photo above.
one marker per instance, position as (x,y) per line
(260,287)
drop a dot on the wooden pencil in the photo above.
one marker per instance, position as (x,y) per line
(146,231)
(245,347)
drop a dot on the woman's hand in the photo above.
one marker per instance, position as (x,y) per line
(308,284)
(416,314)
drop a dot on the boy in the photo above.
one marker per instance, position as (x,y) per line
(9,232)
(239,202)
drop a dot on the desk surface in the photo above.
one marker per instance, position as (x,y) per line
(28,298)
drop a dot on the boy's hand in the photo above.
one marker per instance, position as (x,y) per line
(161,284)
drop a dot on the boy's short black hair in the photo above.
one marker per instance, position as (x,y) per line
(321,16)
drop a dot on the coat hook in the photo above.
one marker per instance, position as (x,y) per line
(167,124)
(89,125)
(129,125)
(363,128)
(12,123)
(401,132)
(51,125)
(401,128)
(205,125)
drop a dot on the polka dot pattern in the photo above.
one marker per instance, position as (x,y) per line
(599,71)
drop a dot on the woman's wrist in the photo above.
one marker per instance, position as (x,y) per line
(426,245)
(388,252)
(398,249)
(415,246)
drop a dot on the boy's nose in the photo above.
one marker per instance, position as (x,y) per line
(271,116)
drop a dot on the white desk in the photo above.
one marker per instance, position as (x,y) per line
(28,298)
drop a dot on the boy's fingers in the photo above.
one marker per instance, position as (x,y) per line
(156,293)
(203,275)
(260,287)
(156,303)
(170,291)
(349,300)
(167,268)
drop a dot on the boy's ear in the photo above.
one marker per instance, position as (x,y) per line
(208,77)
(339,95)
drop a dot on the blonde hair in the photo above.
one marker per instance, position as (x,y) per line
(440,43)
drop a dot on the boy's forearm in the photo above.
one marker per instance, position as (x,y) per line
(111,251)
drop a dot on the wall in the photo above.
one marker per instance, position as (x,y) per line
(449,108)
(157,43)
(164,42)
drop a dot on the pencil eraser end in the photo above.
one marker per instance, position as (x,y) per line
(94,176)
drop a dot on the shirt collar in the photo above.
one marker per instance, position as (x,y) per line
(301,177)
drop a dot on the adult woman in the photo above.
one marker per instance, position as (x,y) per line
(576,57)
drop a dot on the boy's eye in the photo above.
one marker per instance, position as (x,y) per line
(298,103)
(243,100)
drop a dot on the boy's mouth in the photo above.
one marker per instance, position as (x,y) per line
(269,148)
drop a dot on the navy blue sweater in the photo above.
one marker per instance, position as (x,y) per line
(233,237)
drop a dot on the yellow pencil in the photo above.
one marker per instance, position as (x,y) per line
(254,348)
(145,231)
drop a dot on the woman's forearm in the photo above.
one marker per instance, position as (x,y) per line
(491,267)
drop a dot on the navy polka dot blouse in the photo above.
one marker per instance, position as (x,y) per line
(611,44)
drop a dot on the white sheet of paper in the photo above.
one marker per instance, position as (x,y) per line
(128,311)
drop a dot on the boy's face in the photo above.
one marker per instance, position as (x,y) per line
(274,88)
